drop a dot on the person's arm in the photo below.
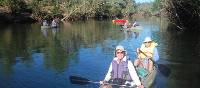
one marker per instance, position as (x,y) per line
(138,53)
(155,55)
(133,74)
(108,75)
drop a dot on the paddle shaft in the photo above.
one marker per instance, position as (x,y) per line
(104,83)
(83,81)
(147,56)
(162,68)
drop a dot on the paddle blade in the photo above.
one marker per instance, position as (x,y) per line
(78,80)
(166,71)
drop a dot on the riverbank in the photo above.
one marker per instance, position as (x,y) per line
(28,17)
(16,18)
(7,17)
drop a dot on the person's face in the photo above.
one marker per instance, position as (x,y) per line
(120,54)
(147,44)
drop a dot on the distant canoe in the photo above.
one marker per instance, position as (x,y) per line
(119,21)
(45,27)
(134,29)
(54,26)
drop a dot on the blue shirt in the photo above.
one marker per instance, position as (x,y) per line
(155,55)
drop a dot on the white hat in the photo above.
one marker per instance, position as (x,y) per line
(120,47)
(147,39)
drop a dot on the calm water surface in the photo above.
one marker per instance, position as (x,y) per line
(31,57)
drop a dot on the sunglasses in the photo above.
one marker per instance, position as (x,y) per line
(147,42)
(120,52)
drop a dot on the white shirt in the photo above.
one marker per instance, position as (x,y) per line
(125,25)
(54,24)
(132,72)
(44,23)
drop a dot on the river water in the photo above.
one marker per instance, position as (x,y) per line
(31,57)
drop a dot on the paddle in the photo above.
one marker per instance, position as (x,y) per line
(80,80)
(162,68)
(85,81)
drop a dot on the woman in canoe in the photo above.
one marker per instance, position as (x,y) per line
(122,71)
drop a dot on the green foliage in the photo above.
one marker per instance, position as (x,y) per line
(35,5)
(145,9)
(3,2)
(56,9)
(100,7)
(158,5)
(129,7)
(73,8)
(184,13)
(17,6)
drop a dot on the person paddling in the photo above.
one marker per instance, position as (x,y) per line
(44,23)
(135,24)
(145,52)
(121,70)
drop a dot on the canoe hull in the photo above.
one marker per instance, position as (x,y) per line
(134,29)
(119,21)
(45,27)
(149,79)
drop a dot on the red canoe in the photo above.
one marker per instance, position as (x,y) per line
(119,21)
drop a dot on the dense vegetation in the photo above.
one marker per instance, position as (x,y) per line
(184,14)
(69,9)
(76,9)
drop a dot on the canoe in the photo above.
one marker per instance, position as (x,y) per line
(134,28)
(45,27)
(119,21)
(148,80)
(54,26)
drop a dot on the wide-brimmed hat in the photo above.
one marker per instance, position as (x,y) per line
(147,39)
(120,47)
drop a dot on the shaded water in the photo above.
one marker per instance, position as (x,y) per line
(31,57)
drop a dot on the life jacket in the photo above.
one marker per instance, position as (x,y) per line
(147,49)
(120,70)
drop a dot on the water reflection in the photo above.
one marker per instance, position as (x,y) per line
(128,35)
(20,42)
(12,46)
(55,31)
(182,51)
(32,57)
(44,32)
(131,34)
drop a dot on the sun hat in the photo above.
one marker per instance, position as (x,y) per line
(120,47)
(147,39)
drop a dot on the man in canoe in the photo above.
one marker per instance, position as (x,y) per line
(135,24)
(125,25)
(121,70)
(146,53)
(44,23)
